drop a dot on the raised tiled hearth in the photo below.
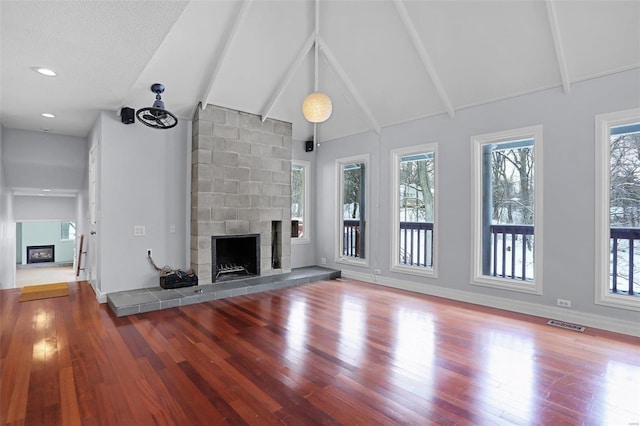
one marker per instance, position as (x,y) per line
(155,298)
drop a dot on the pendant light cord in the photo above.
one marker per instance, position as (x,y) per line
(315,64)
(315,44)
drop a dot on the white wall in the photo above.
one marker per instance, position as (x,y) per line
(44,160)
(7,228)
(569,191)
(143,181)
(43,208)
(304,254)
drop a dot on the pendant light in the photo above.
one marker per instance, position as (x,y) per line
(317,106)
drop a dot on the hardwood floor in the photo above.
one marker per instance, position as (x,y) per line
(330,352)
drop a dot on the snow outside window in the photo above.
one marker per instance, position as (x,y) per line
(300,201)
(352,204)
(618,209)
(413,194)
(507,216)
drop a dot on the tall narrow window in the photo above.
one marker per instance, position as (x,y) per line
(300,201)
(413,193)
(618,209)
(508,209)
(352,210)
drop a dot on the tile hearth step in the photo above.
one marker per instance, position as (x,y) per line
(138,301)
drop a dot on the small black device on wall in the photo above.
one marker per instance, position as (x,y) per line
(308,146)
(127,115)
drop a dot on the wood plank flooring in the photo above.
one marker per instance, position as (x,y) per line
(332,352)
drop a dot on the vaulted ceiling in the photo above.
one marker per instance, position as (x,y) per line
(382,62)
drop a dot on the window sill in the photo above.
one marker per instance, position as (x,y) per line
(415,270)
(619,301)
(296,241)
(363,263)
(507,284)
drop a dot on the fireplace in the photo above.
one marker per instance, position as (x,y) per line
(240,186)
(235,256)
(40,254)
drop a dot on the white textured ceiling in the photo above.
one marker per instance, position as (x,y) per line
(378,68)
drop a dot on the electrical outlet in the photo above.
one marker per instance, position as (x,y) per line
(377,271)
(148,252)
(323,261)
(564,303)
(172,229)
(138,231)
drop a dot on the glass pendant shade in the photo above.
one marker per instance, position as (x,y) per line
(317,107)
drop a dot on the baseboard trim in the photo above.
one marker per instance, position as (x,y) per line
(550,312)
(100,297)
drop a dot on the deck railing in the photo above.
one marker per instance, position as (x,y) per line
(416,244)
(623,254)
(351,238)
(512,251)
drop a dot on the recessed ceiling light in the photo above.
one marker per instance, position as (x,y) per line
(46,190)
(47,115)
(45,71)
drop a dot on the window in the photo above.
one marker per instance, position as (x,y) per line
(67,230)
(352,210)
(300,201)
(618,209)
(507,218)
(413,194)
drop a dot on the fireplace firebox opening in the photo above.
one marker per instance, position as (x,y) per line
(235,256)
(40,254)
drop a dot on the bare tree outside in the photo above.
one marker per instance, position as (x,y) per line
(512,186)
(416,203)
(417,188)
(624,211)
(625,180)
(352,178)
(509,251)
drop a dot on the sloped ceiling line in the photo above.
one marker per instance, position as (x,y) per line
(557,41)
(333,63)
(288,76)
(219,61)
(424,56)
(128,98)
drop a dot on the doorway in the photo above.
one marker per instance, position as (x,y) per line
(45,252)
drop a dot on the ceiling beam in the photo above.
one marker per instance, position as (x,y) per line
(335,65)
(220,60)
(424,56)
(557,42)
(288,76)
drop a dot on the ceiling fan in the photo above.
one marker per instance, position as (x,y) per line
(156,116)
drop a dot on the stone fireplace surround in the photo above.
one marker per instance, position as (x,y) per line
(240,184)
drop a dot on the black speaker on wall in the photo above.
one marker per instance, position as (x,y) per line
(308,146)
(127,115)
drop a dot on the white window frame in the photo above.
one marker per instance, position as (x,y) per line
(477,142)
(339,258)
(396,156)
(61,226)
(306,239)
(603,125)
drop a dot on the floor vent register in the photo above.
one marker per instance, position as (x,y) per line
(566,325)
